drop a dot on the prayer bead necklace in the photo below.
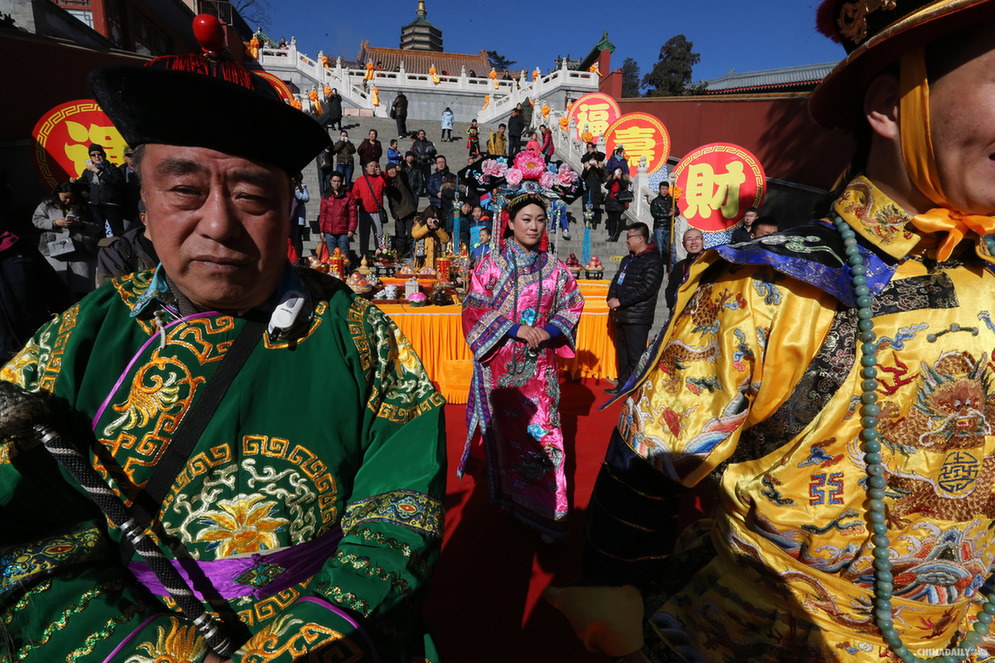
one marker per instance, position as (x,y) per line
(876,482)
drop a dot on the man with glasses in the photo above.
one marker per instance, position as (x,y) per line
(105,189)
(632,299)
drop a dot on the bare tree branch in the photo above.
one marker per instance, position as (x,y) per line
(255,12)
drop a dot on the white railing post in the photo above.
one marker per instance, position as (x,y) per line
(572,136)
(640,186)
(402,76)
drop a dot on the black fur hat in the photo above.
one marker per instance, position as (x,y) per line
(200,101)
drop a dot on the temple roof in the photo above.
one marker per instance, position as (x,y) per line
(804,77)
(420,21)
(418,62)
(592,57)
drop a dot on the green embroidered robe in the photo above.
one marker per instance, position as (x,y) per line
(338,428)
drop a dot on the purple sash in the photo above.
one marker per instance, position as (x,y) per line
(258,575)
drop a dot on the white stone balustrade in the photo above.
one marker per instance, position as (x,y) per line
(305,72)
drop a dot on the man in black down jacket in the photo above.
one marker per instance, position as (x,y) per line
(632,299)
(403,206)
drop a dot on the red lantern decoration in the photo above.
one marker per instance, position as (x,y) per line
(594,112)
(641,135)
(719,182)
(62,138)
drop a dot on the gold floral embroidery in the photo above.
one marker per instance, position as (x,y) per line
(150,396)
(243,525)
(180,644)
(39,363)
(886,222)
(853,17)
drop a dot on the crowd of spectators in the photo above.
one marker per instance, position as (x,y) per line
(416,171)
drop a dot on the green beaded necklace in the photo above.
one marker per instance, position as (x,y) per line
(876,482)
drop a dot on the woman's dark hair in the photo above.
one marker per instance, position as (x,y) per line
(430,212)
(63,187)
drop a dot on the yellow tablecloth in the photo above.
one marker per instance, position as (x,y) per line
(436,332)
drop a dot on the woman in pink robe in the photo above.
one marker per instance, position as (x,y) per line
(520,313)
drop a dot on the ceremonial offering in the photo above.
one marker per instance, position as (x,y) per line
(440,297)
(406,271)
(386,261)
(411,287)
(573,265)
(594,269)
(442,266)
(417,299)
(426,273)
(359,284)
(336,264)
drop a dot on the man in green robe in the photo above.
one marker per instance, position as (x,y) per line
(308,514)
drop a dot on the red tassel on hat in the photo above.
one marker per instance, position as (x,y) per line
(212,62)
(825,21)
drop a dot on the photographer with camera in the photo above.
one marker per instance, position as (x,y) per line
(430,237)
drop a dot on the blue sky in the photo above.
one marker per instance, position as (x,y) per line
(729,34)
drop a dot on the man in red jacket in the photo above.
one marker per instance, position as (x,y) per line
(338,217)
(368,189)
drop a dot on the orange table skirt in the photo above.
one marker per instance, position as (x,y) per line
(436,332)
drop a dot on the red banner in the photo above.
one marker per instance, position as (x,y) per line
(716,184)
(641,135)
(594,112)
(63,136)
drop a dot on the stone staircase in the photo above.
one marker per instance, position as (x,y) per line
(455,152)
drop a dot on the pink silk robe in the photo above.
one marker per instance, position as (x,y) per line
(515,394)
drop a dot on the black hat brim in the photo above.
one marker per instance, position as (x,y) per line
(837,102)
(171,107)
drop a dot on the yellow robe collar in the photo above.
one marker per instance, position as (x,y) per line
(884,224)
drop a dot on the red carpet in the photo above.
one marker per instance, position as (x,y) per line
(485,605)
